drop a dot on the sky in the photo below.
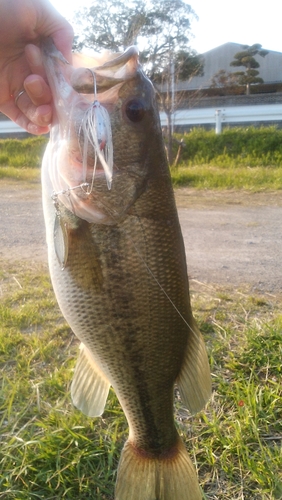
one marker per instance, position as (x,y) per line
(220,21)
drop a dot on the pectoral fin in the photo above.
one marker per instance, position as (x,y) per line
(194,380)
(90,387)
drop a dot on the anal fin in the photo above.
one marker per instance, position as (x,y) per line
(194,380)
(90,387)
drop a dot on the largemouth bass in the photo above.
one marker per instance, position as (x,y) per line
(118,268)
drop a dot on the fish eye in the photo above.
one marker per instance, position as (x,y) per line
(135,110)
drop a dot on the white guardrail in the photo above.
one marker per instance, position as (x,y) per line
(9,127)
(200,116)
(219,116)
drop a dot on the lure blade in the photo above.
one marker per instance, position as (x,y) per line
(61,241)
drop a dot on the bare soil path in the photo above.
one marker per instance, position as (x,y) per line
(231,238)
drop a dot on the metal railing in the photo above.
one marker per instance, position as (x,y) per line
(219,116)
(9,127)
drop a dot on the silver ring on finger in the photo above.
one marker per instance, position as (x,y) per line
(19,95)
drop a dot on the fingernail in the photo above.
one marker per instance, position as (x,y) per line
(32,128)
(35,130)
(33,55)
(34,86)
(47,118)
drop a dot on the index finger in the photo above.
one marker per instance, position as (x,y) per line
(63,40)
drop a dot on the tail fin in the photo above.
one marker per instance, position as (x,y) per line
(142,477)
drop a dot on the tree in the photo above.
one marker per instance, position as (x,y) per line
(224,80)
(182,66)
(161,29)
(247,59)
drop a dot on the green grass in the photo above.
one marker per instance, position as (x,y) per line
(242,432)
(22,153)
(21,159)
(248,146)
(239,158)
(21,174)
(49,450)
(229,177)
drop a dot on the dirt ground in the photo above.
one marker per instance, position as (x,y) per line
(231,238)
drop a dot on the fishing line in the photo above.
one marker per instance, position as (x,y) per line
(95,128)
(150,272)
(147,267)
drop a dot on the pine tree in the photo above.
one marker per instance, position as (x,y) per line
(247,59)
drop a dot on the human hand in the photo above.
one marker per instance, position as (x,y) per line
(23,24)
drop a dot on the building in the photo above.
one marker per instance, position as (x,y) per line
(199,103)
(219,58)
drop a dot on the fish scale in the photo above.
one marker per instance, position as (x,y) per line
(123,287)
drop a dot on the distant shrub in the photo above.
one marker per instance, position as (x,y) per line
(235,146)
(4,159)
(22,152)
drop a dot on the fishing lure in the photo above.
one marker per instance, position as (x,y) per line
(94,134)
(95,128)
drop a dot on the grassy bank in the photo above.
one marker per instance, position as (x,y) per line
(246,158)
(49,450)
(240,158)
(21,159)
(246,146)
(216,177)
(22,153)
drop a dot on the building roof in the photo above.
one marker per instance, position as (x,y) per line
(219,58)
